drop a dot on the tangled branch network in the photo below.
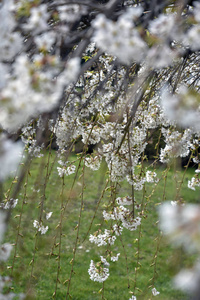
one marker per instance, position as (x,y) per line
(109,75)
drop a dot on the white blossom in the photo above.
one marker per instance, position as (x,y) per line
(163,26)
(196,160)
(29,92)
(115,258)
(48,215)
(66,170)
(177,144)
(93,162)
(161,56)
(119,38)
(151,176)
(45,40)
(9,204)
(70,13)
(155,292)
(40,227)
(104,261)
(43,229)
(103,239)
(124,201)
(133,298)
(38,19)
(10,42)
(193,183)
(99,274)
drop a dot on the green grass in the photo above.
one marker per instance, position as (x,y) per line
(39,257)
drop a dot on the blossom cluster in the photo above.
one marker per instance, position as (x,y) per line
(121,38)
(40,227)
(100,272)
(106,80)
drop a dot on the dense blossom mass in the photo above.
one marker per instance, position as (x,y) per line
(112,76)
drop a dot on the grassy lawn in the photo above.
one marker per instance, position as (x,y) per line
(40,265)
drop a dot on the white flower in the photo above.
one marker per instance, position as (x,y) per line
(108,216)
(35,224)
(43,229)
(38,19)
(31,90)
(115,258)
(45,40)
(66,171)
(177,144)
(133,13)
(155,292)
(117,229)
(70,13)
(173,203)
(120,38)
(40,227)
(49,215)
(125,216)
(124,201)
(93,162)
(71,169)
(107,237)
(61,171)
(99,274)
(196,160)
(10,41)
(104,261)
(193,183)
(162,26)
(133,298)
(160,56)
(151,176)
(9,204)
